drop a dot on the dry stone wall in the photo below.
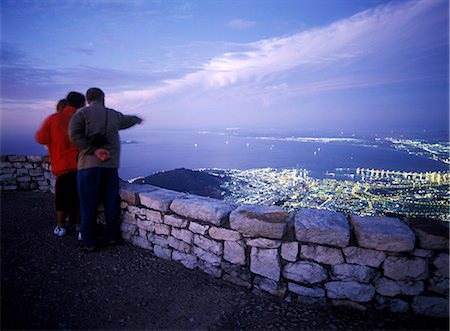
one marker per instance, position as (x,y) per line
(310,256)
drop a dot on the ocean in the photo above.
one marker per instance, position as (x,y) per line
(145,152)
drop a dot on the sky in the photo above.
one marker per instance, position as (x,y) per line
(282,65)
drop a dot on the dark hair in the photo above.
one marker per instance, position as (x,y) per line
(75,99)
(94,94)
(61,104)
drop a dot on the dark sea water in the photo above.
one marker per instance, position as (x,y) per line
(147,152)
(153,151)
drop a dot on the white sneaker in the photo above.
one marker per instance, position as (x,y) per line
(57,231)
(79,237)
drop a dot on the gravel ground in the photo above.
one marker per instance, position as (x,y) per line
(47,284)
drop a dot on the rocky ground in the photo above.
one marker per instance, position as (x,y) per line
(46,283)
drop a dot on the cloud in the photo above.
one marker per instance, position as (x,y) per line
(380,41)
(240,24)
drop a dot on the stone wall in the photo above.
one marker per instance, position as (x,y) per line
(309,256)
(25,173)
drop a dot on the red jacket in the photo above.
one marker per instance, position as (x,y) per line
(54,133)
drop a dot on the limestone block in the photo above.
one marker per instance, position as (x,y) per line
(383,233)
(391,288)
(350,290)
(35,172)
(265,262)
(183,234)
(163,229)
(441,265)
(439,285)
(209,245)
(224,234)
(141,242)
(189,261)
(263,243)
(206,256)
(315,292)
(124,227)
(179,245)
(175,221)
(305,272)
(260,221)
(430,306)
(22,172)
(7,176)
(198,228)
(6,165)
(234,252)
(161,252)
(353,272)
(237,281)
(420,252)
(200,208)
(18,165)
(403,268)
(140,212)
(153,216)
(209,269)
(129,218)
(34,158)
(322,227)
(159,240)
(145,225)
(239,275)
(159,199)
(289,251)
(431,234)
(322,254)
(23,179)
(393,305)
(17,158)
(128,196)
(268,285)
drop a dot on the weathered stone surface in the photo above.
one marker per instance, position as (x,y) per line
(234,252)
(363,256)
(179,245)
(140,212)
(237,281)
(145,225)
(391,288)
(129,218)
(160,240)
(441,265)
(159,228)
(263,243)
(175,221)
(430,306)
(322,254)
(183,234)
(350,290)
(198,228)
(128,196)
(189,261)
(140,242)
(322,227)
(206,256)
(394,305)
(209,245)
(17,158)
(200,208)
(158,199)
(403,268)
(305,272)
(209,269)
(289,251)
(260,221)
(432,234)
(383,233)
(164,253)
(420,252)
(270,286)
(154,216)
(224,234)
(236,274)
(439,285)
(314,292)
(353,272)
(265,262)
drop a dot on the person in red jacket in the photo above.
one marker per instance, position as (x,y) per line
(63,159)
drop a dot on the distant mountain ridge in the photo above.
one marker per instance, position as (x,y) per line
(186,180)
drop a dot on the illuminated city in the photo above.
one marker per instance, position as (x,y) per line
(366,192)
(434,151)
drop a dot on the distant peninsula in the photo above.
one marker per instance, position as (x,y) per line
(186,180)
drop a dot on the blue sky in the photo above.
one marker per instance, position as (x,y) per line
(349,65)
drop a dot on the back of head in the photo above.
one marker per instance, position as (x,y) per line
(94,94)
(75,99)
(61,104)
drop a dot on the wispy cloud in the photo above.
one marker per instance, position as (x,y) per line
(240,24)
(314,60)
